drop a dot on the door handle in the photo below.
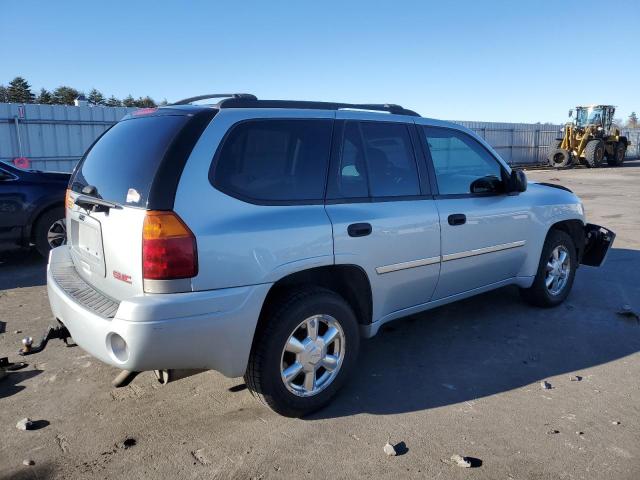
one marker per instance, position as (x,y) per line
(457,219)
(359,229)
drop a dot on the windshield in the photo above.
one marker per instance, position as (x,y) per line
(588,116)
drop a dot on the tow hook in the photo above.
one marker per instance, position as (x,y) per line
(59,331)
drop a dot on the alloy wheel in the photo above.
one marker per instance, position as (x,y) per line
(57,234)
(312,355)
(557,270)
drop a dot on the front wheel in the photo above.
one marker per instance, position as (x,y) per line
(304,352)
(556,271)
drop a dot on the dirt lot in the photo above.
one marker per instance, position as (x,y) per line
(464,379)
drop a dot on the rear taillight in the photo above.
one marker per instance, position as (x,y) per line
(168,247)
(68,201)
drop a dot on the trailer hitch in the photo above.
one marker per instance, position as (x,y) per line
(53,332)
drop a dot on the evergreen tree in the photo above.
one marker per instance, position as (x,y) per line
(4,95)
(44,97)
(129,101)
(113,102)
(19,91)
(95,97)
(633,120)
(146,102)
(163,102)
(64,95)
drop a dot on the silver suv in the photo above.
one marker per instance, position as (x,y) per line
(265,238)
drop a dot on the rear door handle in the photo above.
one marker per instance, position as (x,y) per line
(359,229)
(457,219)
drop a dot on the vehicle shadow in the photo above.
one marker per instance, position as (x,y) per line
(22,268)
(10,385)
(494,343)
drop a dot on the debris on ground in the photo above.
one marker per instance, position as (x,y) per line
(579,433)
(17,332)
(627,311)
(615,422)
(552,432)
(200,457)
(461,461)
(390,450)
(28,462)
(545,385)
(575,378)
(126,443)
(25,424)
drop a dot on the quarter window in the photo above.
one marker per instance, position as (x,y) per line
(460,161)
(275,160)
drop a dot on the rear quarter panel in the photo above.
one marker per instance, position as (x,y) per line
(240,243)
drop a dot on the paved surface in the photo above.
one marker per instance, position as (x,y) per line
(463,379)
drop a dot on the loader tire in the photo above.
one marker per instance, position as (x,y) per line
(617,159)
(559,158)
(594,153)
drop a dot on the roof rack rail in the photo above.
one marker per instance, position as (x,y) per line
(250,101)
(186,101)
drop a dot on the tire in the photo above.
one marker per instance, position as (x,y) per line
(594,153)
(49,231)
(269,360)
(555,144)
(539,293)
(619,152)
(559,158)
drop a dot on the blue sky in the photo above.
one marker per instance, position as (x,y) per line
(466,60)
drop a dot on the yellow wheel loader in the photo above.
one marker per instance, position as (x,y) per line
(589,139)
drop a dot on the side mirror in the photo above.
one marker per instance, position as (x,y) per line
(517,182)
(570,113)
(486,185)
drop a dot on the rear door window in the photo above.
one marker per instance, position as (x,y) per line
(124,161)
(376,160)
(274,160)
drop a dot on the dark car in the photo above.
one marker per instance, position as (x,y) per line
(32,208)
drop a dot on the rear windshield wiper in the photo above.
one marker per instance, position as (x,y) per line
(95,204)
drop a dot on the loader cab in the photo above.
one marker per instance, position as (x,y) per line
(599,115)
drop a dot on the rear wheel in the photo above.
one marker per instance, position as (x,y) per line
(50,231)
(594,153)
(619,152)
(559,158)
(556,271)
(304,352)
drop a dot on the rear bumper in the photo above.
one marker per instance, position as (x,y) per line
(598,241)
(195,330)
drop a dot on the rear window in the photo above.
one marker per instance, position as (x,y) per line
(123,163)
(274,160)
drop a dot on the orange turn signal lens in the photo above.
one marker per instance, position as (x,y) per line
(68,201)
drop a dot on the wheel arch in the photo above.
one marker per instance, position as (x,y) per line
(30,227)
(349,281)
(575,229)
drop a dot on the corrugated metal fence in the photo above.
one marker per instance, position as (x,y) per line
(54,137)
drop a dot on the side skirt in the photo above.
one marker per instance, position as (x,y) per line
(368,331)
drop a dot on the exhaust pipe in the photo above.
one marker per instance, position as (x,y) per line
(167,376)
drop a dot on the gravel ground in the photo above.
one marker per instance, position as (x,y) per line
(462,379)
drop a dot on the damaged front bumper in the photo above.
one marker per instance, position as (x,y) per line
(598,241)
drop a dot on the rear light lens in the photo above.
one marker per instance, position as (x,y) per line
(68,201)
(168,247)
